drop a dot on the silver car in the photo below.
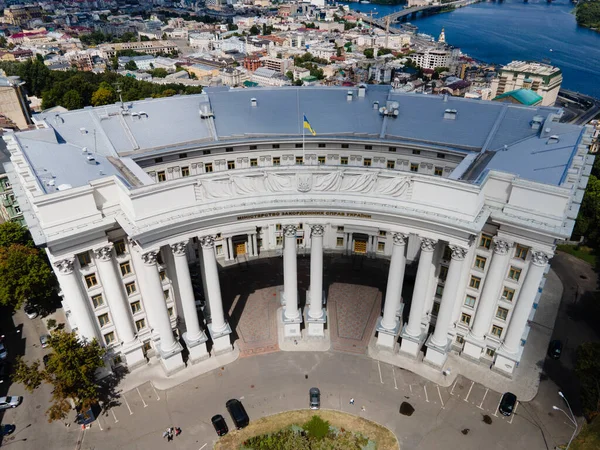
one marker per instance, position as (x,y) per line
(10,402)
(45,340)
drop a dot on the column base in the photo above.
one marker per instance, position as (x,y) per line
(316,327)
(291,327)
(387,337)
(221,340)
(411,345)
(435,355)
(134,355)
(196,349)
(505,363)
(172,361)
(281,294)
(473,348)
(400,310)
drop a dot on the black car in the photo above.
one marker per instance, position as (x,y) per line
(507,404)
(5,430)
(315,398)
(555,349)
(238,413)
(4,369)
(220,425)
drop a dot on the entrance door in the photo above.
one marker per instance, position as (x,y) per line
(360,247)
(240,248)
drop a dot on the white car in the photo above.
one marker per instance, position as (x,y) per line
(45,340)
(10,402)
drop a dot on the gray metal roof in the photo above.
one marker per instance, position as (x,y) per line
(155,126)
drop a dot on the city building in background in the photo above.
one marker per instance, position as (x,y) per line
(543,79)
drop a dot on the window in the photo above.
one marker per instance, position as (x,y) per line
(97,301)
(299,160)
(443,273)
(91,280)
(253,147)
(414,167)
(435,308)
(167,294)
(490,352)
(140,324)
(345,146)
(340,229)
(136,307)
(299,241)
(485,241)
(480,262)
(514,273)
(441,156)
(438,171)
(521,252)
(279,240)
(299,145)
(161,176)
(131,288)
(158,160)
(103,319)
(162,275)
(219,250)
(277,145)
(382,233)
(253,162)
(381,247)
(447,253)
(17,209)
(277,227)
(497,331)
(367,162)
(230,165)
(84,259)
(276,161)
(206,152)
(208,167)
(391,164)
(416,152)
(120,247)
(170,310)
(502,313)
(339,242)
(460,339)
(465,319)
(322,145)
(228,149)
(508,294)
(117,360)
(344,160)
(147,347)
(125,268)
(182,155)
(109,338)
(321,160)
(470,301)
(391,149)
(368,147)
(439,290)
(185,171)
(474,282)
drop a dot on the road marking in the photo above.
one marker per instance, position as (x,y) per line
(127,403)
(410,386)
(469,393)
(379,367)
(115,417)
(202,446)
(440,394)
(453,386)
(394,373)
(99,424)
(484,395)
(140,394)
(514,413)
(80,441)
(426,397)
(157,397)
(496,412)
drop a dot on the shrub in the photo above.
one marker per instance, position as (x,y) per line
(51,323)
(317,427)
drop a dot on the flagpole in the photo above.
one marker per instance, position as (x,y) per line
(303,133)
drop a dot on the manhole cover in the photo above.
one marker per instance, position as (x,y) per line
(406,409)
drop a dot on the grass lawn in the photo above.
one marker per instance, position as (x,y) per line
(589,437)
(385,439)
(582,252)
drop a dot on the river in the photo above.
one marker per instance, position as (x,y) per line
(500,32)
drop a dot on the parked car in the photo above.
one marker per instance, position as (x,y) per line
(507,404)
(45,340)
(315,398)
(10,402)
(220,425)
(45,359)
(5,430)
(555,349)
(4,369)
(238,413)
(31,311)
(3,350)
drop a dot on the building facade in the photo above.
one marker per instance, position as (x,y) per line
(124,198)
(13,102)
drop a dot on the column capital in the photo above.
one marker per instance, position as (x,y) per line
(207,241)
(539,258)
(64,266)
(458,252)
(289,230)
(428,244)
(104,253)
(399,238)
(501,246)
(179,248)
(317,230)
(149,258)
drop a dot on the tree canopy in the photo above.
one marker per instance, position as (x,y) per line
(70,369)
(13,233)
(368,52)
(587,13)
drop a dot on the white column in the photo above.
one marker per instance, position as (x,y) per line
(219,329)
(76,299)
(489,298)
(316,272)
(389,324)
(230,248)
(437,345)
(254,245)
(194,337)
(417,305)
(158,315)
(348,243)
(290,275)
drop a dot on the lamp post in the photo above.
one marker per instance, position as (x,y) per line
(572,418)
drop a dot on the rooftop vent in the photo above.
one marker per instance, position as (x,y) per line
(83,130)
(554,139)
(349,96)
(134,114)
(253,102)
(375,105)
(84,151)
(91,160)
(450,114)
(51,183)
(536,122)
(362,90)
(445,98)
(205,111)
(390,109)
(64,187)
(143,113)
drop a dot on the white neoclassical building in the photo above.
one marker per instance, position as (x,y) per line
(473,194)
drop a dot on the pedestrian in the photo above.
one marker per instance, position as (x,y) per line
(169,437)
(352,401)
(362,408)
(165,433)
(177,431)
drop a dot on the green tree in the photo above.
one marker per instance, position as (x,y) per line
(103,96)
(131,65)
(290,75)
(587,369)
(339,51)
(114,63)
(232,27)
(384,51)
(368,52)
(3,41)
(13,233)
(158,73)
(144,38)
(254,30)
(25,275)
(72,100)
(587,13)
(70,370)
(588,220)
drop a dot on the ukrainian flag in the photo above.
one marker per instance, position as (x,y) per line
(308,127)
